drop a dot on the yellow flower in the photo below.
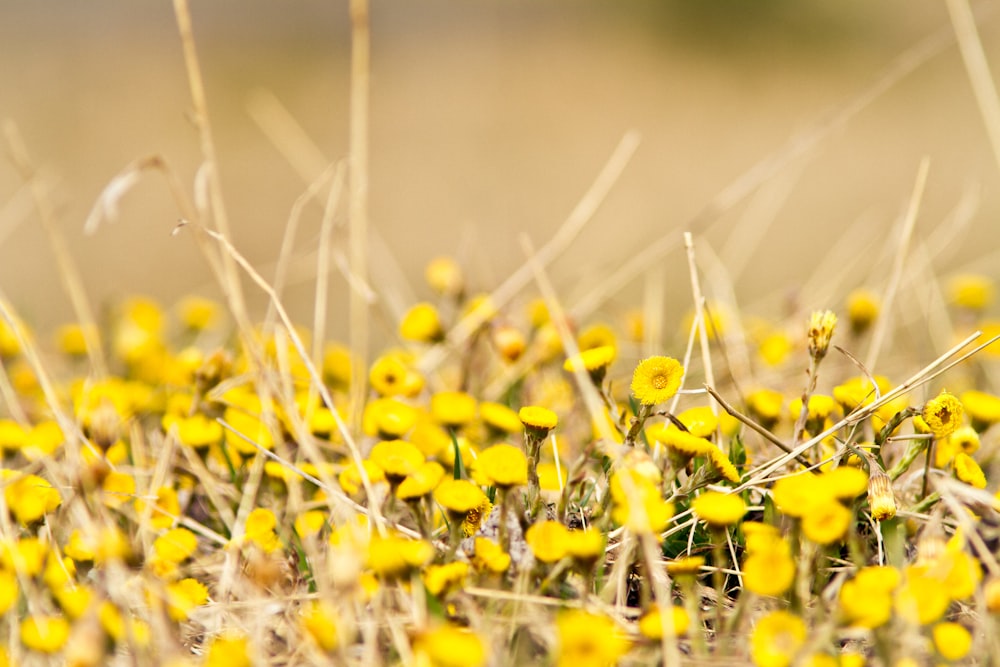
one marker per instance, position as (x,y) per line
(549,541)
(453,408)
(723,465)
(768,568)
(230,649)
(967,470)
(866,600)
(393,556)
(163,511)
(951,640)
(719,509)
(637,503)
(459,496)
(651,623)
(337,365)
(350,477)
(596,335)
(687,566)
(474,519)
(198,313)
(685,444)
(390,375)
(858,391)
(450,646)
(490,556)
(777,639)
(586,546)
(421,482)
(499,417)
(922,599)
(440,579)
(943,414)
(765,405)
(45,634)
(983,408)
(259,529)
(656,380)
(396,458)
(421,324)
(117,489)
(821,407)
(309,523)
(71,339)
(881,501)
(183,596)
(9,590)
(774,348)
(701,422)
(504,466)
(28,497)
(175,545)
(588,640)
(821,325)
(974,292)
(444,276)
(594,361)
(319,621)
(538,418)
(509,342)
(844,482)
(862,308)
(964,439)
(825,523)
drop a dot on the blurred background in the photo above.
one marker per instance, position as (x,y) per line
(491,118)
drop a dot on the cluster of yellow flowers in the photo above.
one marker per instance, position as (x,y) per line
(184,494)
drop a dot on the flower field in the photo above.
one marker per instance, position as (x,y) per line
(505,482)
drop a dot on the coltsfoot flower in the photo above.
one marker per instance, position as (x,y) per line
(656,380)
(943,414)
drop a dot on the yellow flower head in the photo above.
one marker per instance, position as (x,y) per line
(821,325)
(259,529)
(549,541)
(825,523)
(439,579)
(862,308)
(490,556)
(453,408)
(444,276)
(350,477)
(586,546)
(769,568)
(421,482)
(687,566)
(45,634)
(319,620)
(700,421)
(765,405)
(719,509)
(943,414)
(28,497)
(587,638)
(391,375)
(475,517)
(594,361)
(723,466)
(499,417)
(184,596)
(777,639)
(509,342)
(230,649)
(651,624)
(396,458)
(421,324)
(952,641)
(393,556)
(198,313)
(922,599)
(450,646)
(881,501)
(684,444)
(388,418)
(537,418)
(176,545)
(983,408)
(656,380)
(858,391)
(504,466)
(973,292)
(967,470)
(459,496)
(597,335)
(638,503)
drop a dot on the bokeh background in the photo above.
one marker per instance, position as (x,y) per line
(491,118)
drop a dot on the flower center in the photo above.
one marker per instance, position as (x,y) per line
(659,381)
